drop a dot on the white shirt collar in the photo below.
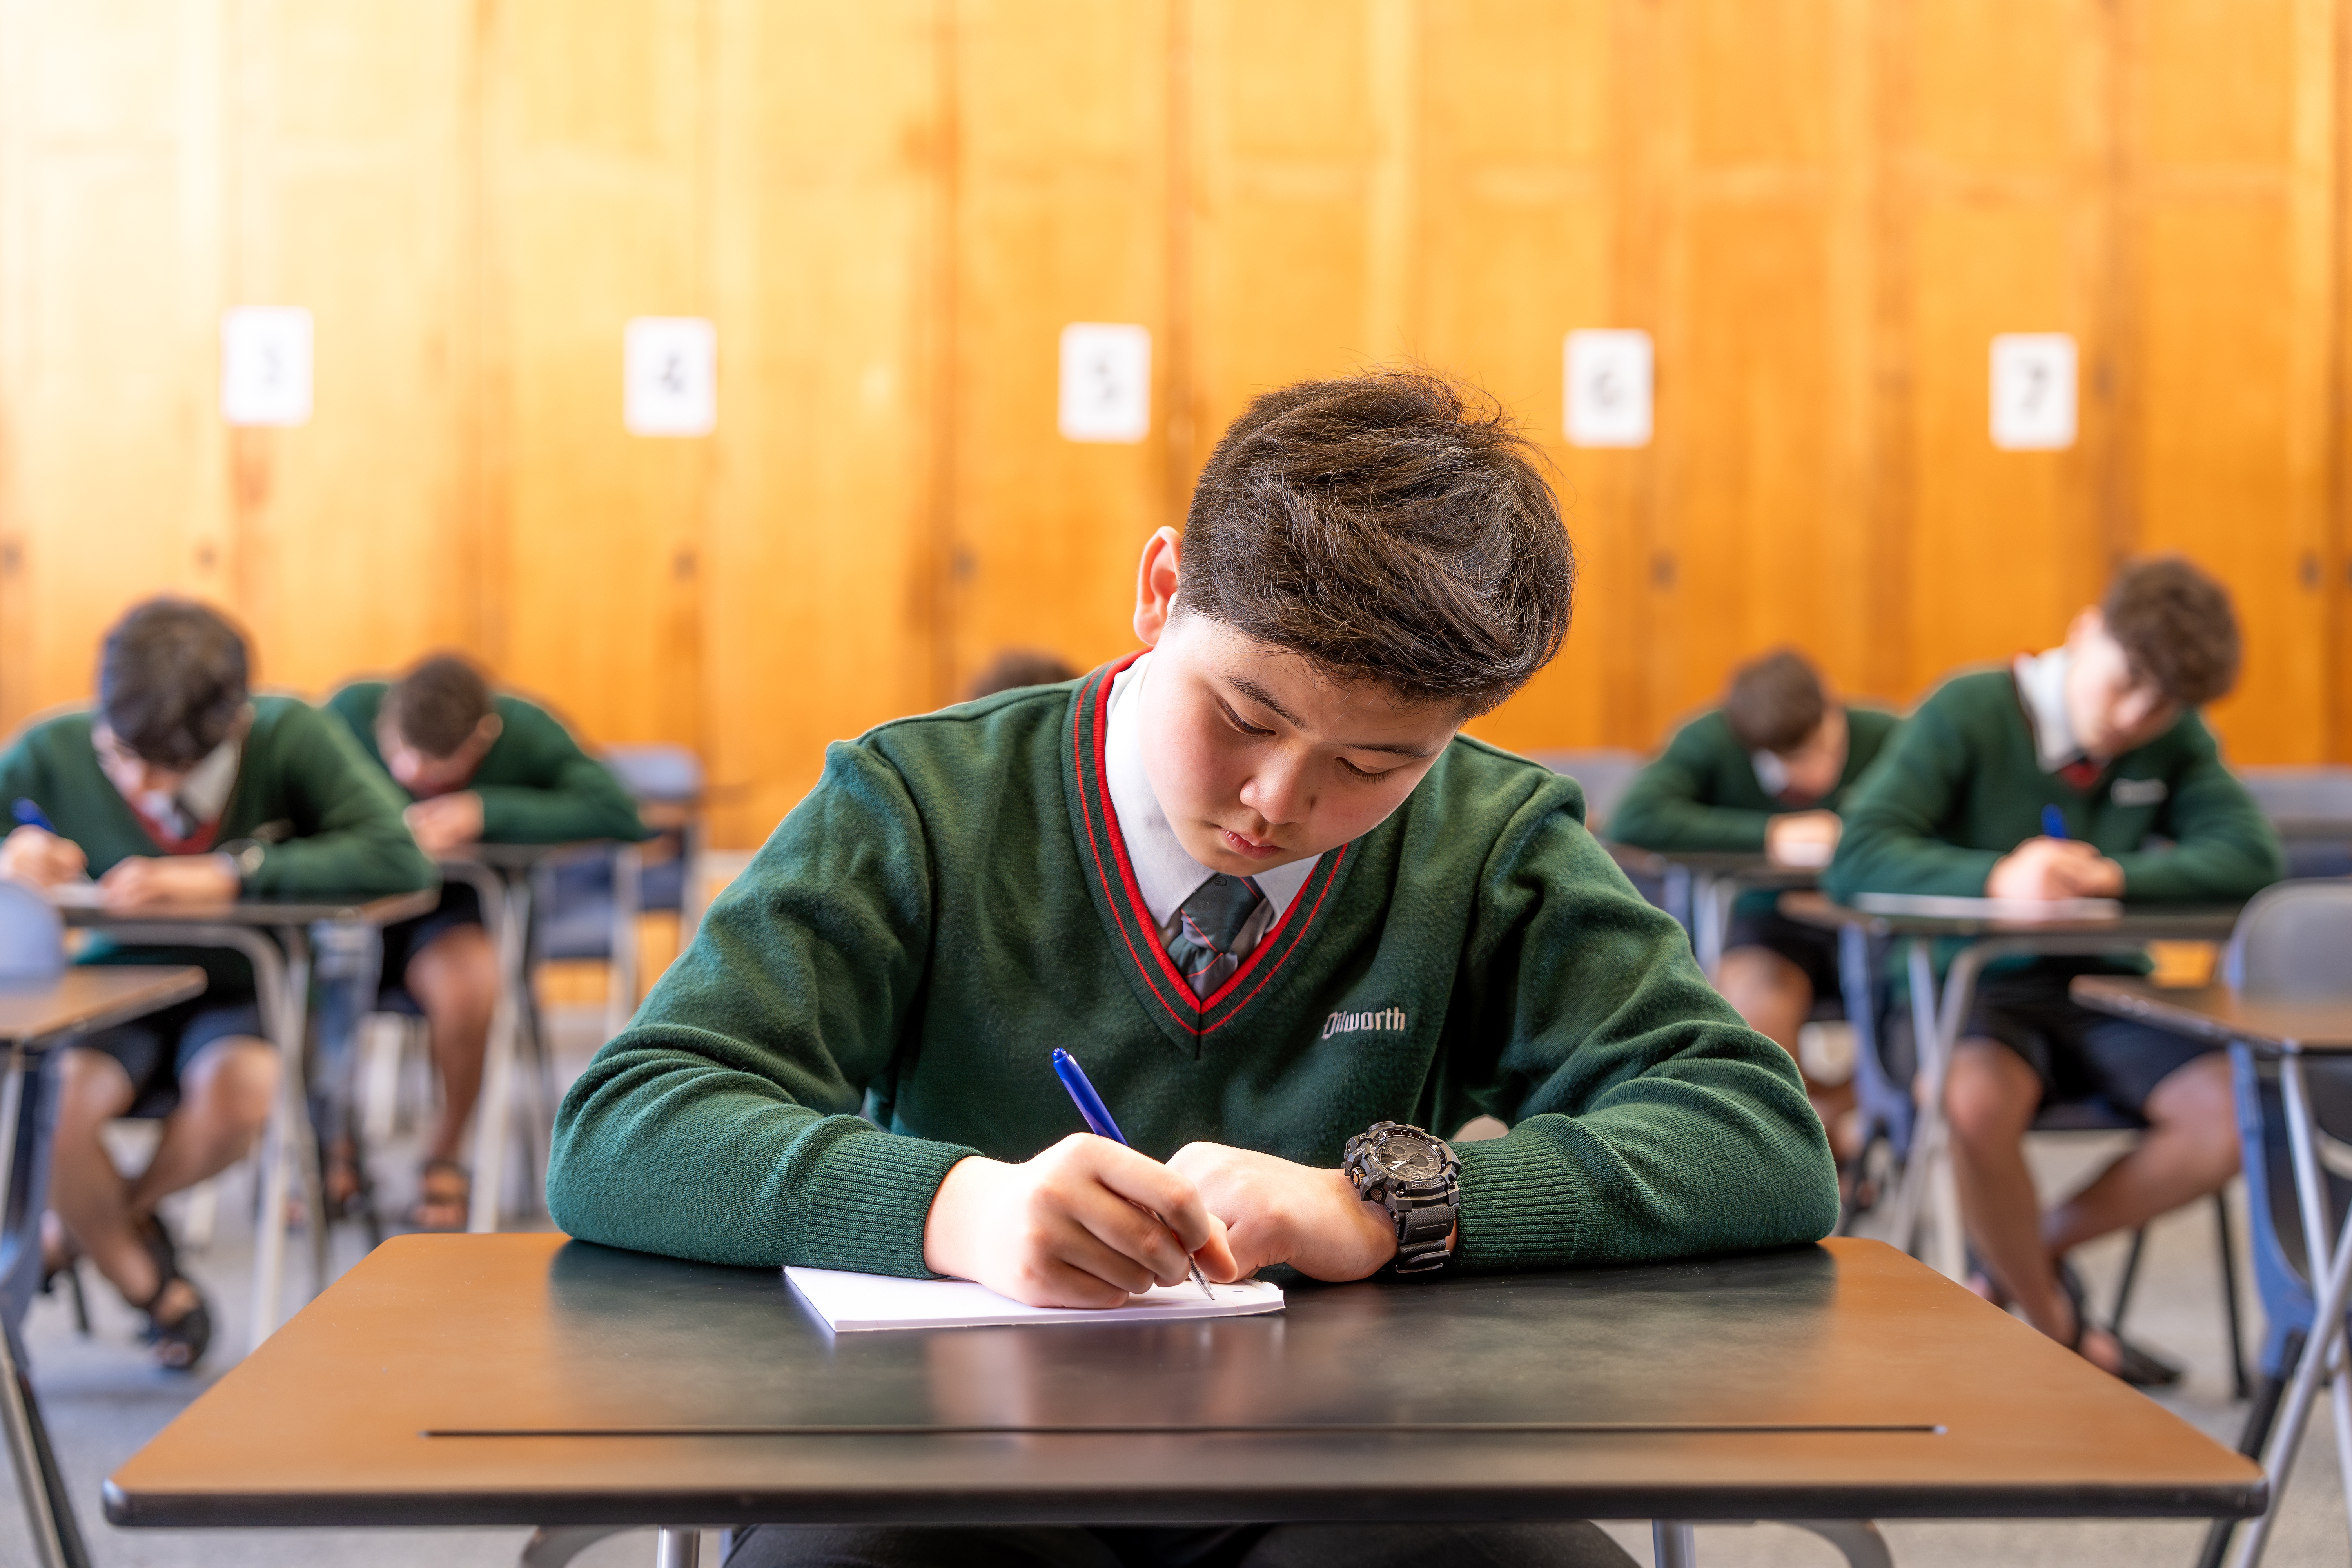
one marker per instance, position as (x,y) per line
(203,794)
(2041,683)
(1165,872)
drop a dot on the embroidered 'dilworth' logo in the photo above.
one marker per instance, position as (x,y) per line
(1390,1019)
(2137,792)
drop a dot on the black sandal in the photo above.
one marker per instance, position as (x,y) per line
(458,1196)
(182,1342)
(2140,1367)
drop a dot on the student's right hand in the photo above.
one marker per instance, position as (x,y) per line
(1070,1227)
(43,859)
(1802,838)
(2054,868)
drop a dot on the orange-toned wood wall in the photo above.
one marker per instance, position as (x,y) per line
(1821,209)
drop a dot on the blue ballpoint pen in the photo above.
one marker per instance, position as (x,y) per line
(2054,822)
(29,813)
(1098,1122)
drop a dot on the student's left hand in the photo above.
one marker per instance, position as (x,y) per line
(144,882)
(447,823)
(1276,1212)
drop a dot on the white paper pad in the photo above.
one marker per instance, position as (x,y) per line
(852,1303)
(1945,906)
(75,895)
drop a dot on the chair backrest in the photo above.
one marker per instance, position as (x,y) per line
(2294,939)
(656,771)
(2301,795)
(1605,772)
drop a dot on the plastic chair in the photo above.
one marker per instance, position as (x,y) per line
(586,906)
(2312,809)
(1605,772)
(2291,941)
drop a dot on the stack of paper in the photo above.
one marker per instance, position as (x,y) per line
(852,1303)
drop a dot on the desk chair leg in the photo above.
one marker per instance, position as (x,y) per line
(2260,1415)
(1672,1544)
(2239,1382)
(678,1548)
(2124,1285)
(494,1108)
(555,1545)
(628,897)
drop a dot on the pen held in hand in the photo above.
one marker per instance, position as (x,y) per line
(1098,1122)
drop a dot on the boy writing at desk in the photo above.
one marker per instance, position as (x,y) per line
(181,787)
(476,768)
(1258,880)
(2100,736)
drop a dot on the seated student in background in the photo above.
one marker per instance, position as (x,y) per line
(1257,880)
(478,769)
(2105,730)
(181,787)
(1765,773)
(1015,667)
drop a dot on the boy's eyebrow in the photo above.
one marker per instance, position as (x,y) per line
(1259,695)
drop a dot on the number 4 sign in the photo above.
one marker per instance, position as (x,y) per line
(669,376)
(2032,392)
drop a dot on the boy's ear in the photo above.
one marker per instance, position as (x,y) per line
(488,728)
(1155,583)
(2089,621)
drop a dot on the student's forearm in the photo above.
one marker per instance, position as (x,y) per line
(1880,861)
(373,863)
(512,813)
(1671,823)
(2216,872)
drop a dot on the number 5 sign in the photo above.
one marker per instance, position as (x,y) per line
(2032,392)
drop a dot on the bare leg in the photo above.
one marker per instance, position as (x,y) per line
(225,1095)
(1990,1097)
(1776,997)
(85,1189)
(456,980)
(2190,1151)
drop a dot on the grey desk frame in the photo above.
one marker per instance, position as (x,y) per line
(282,975)
(1702,886)
(46,1511)
(2289,1042)
(1937,1019)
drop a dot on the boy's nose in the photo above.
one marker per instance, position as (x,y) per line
(1277,792)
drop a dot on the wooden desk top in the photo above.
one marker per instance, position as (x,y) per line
(289,911)
(512,1380)
(2222,1014)
(92,996)
(2141,923)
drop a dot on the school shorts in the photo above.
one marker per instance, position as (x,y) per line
(461,906)
(157,1050)
(1810,948)
(2077,1053)
(1476,1545)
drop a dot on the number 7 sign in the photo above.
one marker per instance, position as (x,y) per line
(2032,392)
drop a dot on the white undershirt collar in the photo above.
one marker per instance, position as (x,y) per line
(2042,684)
(1165,872)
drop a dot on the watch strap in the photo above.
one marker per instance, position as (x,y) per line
(1423,1232)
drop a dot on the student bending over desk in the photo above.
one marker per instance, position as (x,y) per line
(1257,881)
(2105,733)
(182,789)
(1765,773)
(480,770)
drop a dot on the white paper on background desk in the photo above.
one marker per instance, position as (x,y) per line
(1946,907)
(75,895)
(853,1303)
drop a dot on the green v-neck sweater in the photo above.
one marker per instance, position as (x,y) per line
(1702,794)
(536,784)
(953,900)
(1961,786)
(331,823)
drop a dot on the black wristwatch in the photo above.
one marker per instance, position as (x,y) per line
(1416,1178)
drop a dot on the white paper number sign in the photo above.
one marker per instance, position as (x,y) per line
(1608,390)
(265,365)
(669,376)
(1106,382)
(2032,392)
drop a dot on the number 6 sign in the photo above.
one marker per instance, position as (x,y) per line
(2032,392)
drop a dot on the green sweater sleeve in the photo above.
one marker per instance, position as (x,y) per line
(1647,1120)
(1669,805)
(550,790)
(347,837)
(743,1073)
(1890,843)
(2222,847)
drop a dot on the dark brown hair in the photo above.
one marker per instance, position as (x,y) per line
(436,706)
(1775,701)
(172,681)
(1391,527)
(1017,666)
(2176,627)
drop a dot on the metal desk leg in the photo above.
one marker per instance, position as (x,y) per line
(1672,1544)
(1711,919)
(2320,1354)
(678,1548)
(290,1148)
(1920,1170)
(494,1109)
(16,1407)
(628,896)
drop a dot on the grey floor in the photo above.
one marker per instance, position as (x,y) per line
(103,1399)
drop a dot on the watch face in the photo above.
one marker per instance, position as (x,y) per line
(1409,1159)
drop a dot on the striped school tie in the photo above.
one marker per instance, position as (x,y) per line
(1207,928)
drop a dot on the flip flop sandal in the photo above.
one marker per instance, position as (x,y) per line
(454,1195)
(180,1343)
(2140,1367)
